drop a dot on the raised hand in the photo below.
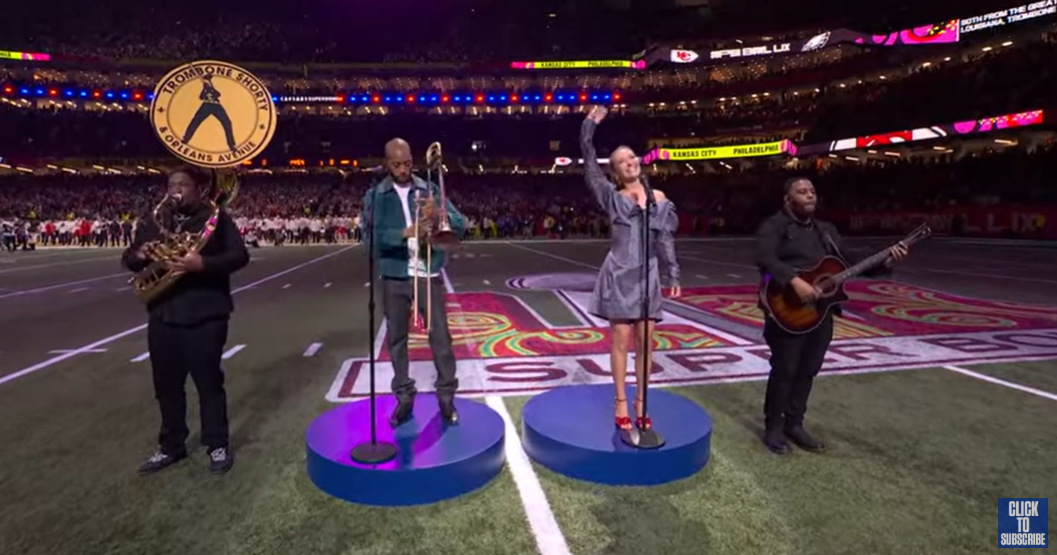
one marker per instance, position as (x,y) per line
(597,114)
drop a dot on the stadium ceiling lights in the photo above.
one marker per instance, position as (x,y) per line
(68,93)
(463,97)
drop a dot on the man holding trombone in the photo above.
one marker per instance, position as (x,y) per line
(411,233)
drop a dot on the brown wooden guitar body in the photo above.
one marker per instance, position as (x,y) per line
(795,316)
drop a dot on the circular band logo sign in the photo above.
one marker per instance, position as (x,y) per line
(213,114)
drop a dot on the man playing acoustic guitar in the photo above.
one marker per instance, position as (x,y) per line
(791,240)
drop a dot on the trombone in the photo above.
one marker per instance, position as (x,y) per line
(434,233)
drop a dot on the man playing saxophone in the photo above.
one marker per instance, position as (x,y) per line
(188,322)
(397,210)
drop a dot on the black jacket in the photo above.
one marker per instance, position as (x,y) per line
(200,296)
(785,246)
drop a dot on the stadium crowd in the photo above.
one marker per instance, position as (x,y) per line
(809,98)
(325,207)
(1000,81)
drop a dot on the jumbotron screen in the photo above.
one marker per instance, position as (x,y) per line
(943,32)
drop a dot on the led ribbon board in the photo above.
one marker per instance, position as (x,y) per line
(718,152)
(28,56)
(943,32)
(894,138)
(1008,16)
(582,64)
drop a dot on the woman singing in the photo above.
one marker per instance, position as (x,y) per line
(618,293)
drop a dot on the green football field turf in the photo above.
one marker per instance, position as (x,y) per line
(917,458)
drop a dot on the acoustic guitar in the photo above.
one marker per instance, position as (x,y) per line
(791,314)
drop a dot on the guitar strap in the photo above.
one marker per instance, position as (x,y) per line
(831,245)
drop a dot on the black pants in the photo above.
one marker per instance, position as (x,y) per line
(396,299)
(175,352)
(795,361)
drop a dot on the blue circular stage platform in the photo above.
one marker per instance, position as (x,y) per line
(570,430)
(434,461)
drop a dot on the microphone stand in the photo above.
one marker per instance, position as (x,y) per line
(372,452)
(635,437)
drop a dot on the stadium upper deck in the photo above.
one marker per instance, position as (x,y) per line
(267,45)
(87,86)
(798,90)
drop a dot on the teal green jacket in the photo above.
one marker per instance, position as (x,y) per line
(382,203)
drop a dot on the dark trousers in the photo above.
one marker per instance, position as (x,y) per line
(396,299)
(795,361)
(175,352)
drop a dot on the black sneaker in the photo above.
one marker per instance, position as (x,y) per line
(160,461)
(803,440)
(220,460)
(775,442)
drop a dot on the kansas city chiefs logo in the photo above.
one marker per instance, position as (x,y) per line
(684,56)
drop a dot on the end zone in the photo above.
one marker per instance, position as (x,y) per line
(504,348)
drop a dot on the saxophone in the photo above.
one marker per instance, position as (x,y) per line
(157,278)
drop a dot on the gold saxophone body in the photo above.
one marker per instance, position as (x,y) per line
(157,278)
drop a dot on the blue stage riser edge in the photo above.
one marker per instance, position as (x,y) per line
(570,431)
(392,489)
(682,463)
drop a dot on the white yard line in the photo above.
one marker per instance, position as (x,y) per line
(55,264)
(1004,383)
(107,340)
(61,285)
(313,349)
(232,351)
(549,537)
(541,520)
(554,256)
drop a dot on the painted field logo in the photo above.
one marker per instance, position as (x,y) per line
(533,339)
(1023,522)
(213,114)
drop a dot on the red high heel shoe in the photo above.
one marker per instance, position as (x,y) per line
(622,422)
(641,422)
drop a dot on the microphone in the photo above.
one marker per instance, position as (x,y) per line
(650,201)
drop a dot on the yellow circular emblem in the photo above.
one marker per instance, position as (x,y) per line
(213,114)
